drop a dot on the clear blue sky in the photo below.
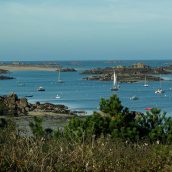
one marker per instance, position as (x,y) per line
(85,29)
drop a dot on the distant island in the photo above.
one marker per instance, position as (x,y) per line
(130,74)
(34,67)
(3,76)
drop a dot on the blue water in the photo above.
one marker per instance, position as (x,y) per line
(80,94)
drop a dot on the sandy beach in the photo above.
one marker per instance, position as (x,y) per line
(19,67)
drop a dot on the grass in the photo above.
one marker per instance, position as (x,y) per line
(104,154)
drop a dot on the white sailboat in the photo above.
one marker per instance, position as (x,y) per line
(145,84)
(57,96)
(115,86)
(159,90)
(59,80)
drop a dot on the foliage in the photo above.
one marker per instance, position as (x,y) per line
(155,125)
(38,130)
(36,127)
(112,105)
(114,141)
(2,107)
(102,154)
(119,122)
(94,125)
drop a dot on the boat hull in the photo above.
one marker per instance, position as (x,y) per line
(114,89)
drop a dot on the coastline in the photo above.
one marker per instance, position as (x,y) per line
(28,68)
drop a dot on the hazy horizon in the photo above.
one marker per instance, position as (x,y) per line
(79,30)
(75,60)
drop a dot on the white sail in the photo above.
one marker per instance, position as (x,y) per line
(115,86)
(59,75)
(59,80)
(114,79)
(146,85)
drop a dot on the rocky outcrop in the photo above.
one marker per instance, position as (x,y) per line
(49,107)
(128,70)
(2,77)
(129,74)
(127,78)
(67,70)
(2,71)
(14,106)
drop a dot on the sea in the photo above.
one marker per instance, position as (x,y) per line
(84,95)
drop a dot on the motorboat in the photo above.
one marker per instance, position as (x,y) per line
(148,108)
(29,96)
(57,96)
(159,91)
(134,98)
(41,88)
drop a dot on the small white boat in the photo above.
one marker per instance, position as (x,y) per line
(57,96)
(134,98)
(159,91)
(20,84)
(145,84)
(115,86)
(41,89)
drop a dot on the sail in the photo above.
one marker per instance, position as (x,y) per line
(146,84)
(114,79)
(145,80)
(59,75)
(115,86)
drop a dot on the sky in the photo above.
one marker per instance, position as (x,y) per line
(85,29)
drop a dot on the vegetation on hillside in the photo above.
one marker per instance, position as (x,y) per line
(115,139)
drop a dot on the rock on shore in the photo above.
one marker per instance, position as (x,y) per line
(14,106)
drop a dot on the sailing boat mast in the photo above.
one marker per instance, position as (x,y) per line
(59,80)
(115,86)
(146,85)
(59,75)
(160,90)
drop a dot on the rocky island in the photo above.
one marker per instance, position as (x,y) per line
(134,73)
(3,76)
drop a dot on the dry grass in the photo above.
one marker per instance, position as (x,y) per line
(30,154)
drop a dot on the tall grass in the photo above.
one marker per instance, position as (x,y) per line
(62,154)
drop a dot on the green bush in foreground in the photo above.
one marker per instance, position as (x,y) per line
(119,122)
(114,121)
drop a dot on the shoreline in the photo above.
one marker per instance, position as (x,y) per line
(28,68)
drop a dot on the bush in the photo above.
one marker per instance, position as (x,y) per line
(112,105)
(119,122)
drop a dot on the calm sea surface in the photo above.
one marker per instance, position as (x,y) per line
(80,94)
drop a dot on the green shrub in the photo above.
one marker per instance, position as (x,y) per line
(36,127)
(119,122)
(2,108)
(112,105)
